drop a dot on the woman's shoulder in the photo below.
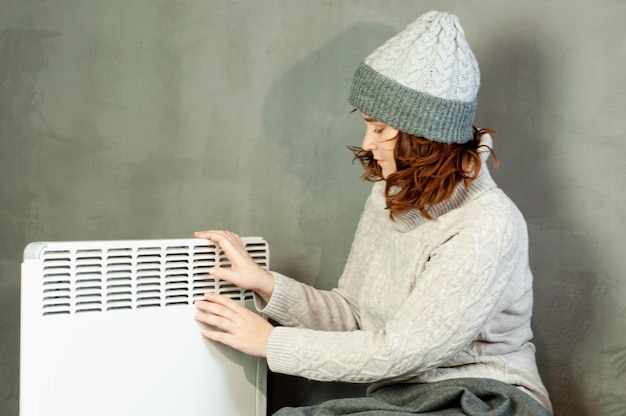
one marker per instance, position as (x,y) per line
(496,202)
(495,214)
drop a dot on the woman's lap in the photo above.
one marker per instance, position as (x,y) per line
(470,396)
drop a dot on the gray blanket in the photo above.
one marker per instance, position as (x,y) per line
(468,396)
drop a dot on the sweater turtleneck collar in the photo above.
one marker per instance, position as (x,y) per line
(412,219)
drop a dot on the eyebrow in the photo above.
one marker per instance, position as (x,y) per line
(367,118)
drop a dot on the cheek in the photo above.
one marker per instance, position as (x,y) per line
(390,158)
(389,154)
(390,147)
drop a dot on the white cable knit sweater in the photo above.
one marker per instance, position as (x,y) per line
(419,300)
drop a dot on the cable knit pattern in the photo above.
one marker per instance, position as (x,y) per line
(431,56)
(419,300)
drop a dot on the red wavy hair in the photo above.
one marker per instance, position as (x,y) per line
(427,172)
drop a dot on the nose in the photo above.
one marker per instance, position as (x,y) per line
(369,142)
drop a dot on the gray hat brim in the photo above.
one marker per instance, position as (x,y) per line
(410,111)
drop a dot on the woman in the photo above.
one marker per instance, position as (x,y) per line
(434,305)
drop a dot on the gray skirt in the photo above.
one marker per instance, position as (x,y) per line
(464,396)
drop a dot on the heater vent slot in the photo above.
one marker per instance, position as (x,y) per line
(87,277)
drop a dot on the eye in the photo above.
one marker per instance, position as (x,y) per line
(378,130)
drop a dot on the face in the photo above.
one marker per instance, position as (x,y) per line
(380,139)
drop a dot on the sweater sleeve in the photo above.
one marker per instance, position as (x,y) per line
(296,304)
(456,293)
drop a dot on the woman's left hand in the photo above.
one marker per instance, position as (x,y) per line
(232,324)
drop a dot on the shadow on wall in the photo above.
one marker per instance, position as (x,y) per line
(305,113)
(514,101)
(306,118)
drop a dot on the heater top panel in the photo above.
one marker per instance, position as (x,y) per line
(101,276)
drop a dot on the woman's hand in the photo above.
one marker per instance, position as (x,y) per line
(244,272)
(232,324)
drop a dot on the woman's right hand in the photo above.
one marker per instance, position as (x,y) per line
(244,271)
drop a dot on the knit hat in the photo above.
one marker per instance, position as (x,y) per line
(423,81)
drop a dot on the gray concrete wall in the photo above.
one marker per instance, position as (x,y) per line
(153,118)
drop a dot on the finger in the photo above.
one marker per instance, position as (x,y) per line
(214,322)
(216,309)
(211,235)
(218,236)
(215,315)
(218,336)
(223,274)
(208,307)
(228,241)
(225,239)
(201,234)
(223,301)
(209,232)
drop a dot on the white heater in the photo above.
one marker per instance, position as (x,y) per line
(107,328)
